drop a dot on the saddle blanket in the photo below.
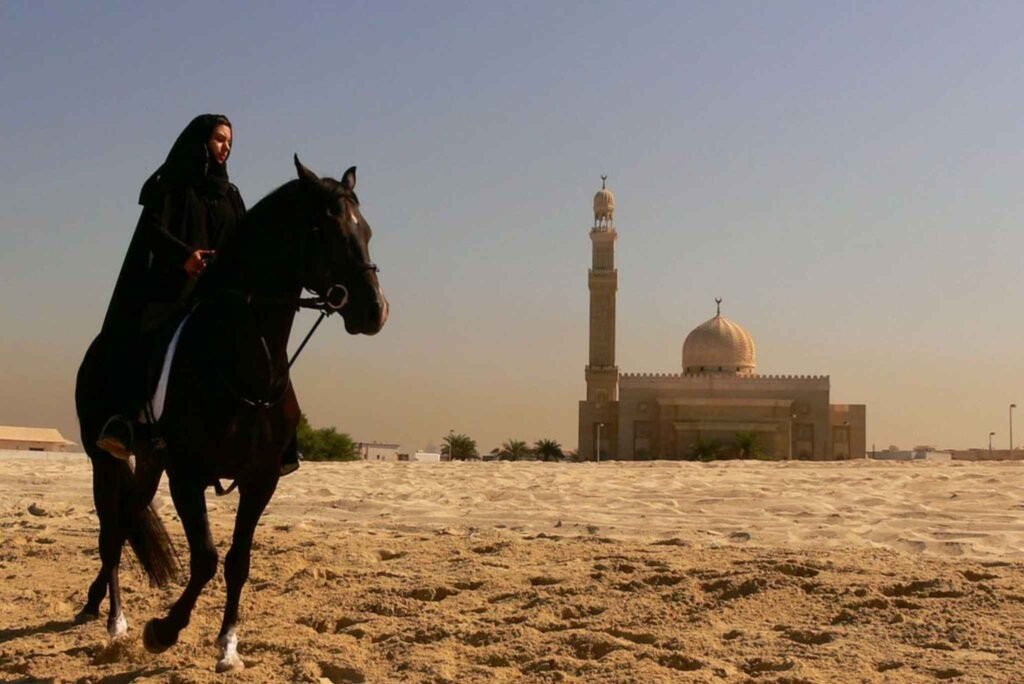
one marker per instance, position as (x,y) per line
(155,407)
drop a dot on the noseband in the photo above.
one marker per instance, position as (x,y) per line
(336,296)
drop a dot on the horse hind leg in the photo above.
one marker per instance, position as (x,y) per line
(106,495)
(111,545)
(117,623)
(251,504)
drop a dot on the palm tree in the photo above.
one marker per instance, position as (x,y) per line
(459,447)
(705,449)
(514,450)
(548,450)
(748,444)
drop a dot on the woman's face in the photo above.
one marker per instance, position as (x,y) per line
(220,143)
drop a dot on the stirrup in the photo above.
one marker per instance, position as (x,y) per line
(114,445)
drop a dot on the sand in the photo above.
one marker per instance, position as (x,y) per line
(535,572)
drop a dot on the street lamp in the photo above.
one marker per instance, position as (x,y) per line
(791,436)
(1012,406)
(990,436)
(598,449)
(451,441)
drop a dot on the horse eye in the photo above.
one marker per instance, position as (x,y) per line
(330,211)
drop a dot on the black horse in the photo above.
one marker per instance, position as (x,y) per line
(230,410)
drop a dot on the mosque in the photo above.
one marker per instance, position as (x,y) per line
(719,398)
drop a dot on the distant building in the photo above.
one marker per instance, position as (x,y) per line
(377,451)
(918,453)
(984,454)
(33,439)
(426,457)
(718,398)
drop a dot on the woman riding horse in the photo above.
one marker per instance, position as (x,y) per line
(230,409)
(190,209)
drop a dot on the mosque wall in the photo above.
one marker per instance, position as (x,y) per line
(662,416)
(848,423)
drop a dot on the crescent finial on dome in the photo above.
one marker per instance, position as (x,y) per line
(718,304)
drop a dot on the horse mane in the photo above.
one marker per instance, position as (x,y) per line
(263,215)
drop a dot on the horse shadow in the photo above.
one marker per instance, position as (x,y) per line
(51,627)
(122,678)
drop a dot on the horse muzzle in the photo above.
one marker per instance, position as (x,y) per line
(371,319)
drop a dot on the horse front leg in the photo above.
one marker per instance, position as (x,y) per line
(251,504)
(189,498)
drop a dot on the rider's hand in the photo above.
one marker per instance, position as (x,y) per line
(196,262)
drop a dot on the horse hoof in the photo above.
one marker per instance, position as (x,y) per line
(86,615)
(117,627)
(151,640)
(231,664)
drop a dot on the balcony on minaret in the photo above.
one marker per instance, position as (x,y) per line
(604,209)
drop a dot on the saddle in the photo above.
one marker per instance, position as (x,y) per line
(160,346)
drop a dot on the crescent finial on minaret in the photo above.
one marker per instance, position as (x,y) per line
(718,303)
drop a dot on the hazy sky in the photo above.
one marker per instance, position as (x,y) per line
(846,175)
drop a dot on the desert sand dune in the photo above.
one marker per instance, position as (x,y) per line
(611,572)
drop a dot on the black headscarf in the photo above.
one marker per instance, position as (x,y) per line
(189,163)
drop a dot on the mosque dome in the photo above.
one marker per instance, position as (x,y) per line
(604,206)
(719,346)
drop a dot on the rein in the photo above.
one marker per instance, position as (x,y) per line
(331,302)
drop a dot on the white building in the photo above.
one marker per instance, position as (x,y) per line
(425,457)
(378,451)
(33,439)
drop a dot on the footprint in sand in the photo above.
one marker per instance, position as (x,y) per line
(580,612)
(680,662)
(948,673)
(586,646)
(544,581)
(727,590)
(341,674)
(794,570)
(932,588)
(756,666)
(432,593)
(810,637)
(635,637)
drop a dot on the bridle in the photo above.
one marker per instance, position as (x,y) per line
(335,297)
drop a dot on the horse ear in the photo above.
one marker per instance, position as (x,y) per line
(348,181)
(304,173)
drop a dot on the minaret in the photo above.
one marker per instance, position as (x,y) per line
(601,373)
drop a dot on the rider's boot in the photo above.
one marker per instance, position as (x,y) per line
(116,437)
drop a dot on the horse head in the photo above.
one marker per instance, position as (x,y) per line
(335,262)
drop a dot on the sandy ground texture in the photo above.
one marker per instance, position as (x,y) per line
(534,572)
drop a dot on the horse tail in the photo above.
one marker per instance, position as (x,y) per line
(145,531)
